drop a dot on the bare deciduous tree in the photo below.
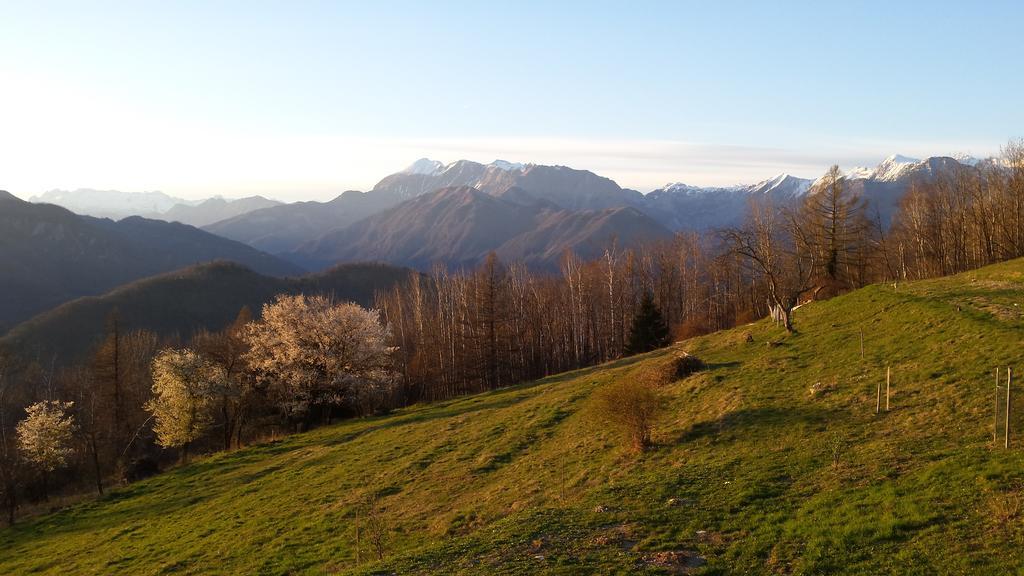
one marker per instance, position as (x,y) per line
(777,249)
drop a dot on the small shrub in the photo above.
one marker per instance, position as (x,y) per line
(836,447)
(685,365)
(372,526)
(668,369)
(632,406)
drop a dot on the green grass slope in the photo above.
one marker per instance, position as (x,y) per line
(524,480)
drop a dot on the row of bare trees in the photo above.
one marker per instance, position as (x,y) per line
(969,219)
(469,331)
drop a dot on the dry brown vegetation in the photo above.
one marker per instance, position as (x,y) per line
(633,405)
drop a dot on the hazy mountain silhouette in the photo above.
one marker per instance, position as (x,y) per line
(460,226)
(214,210)
(49,255)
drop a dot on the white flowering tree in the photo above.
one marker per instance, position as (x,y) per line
(185,385)
(319,353)
(45,436)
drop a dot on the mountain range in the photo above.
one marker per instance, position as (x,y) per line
(460,225)
(49,255)
(456,213)
(116,205)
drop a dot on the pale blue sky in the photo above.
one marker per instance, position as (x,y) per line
(305,99)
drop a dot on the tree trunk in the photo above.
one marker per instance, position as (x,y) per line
(10,492)
(12,503)
(239,423)
(226,412)
(96,464)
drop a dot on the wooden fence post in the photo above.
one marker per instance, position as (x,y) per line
(861,343)
(995,412)
(1009,381)
(878,398)
(888,376)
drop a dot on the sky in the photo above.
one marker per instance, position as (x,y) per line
(303,100)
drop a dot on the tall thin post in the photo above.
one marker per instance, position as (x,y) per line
(888,376)
(861,343)
(878,398)
(995,412)
(1009,381)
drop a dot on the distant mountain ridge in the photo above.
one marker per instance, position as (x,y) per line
(569,188)
(313,233)
(215,209)
(49,255)
(177,303)
(116,205)
(281,229)
(110,203)
(459,226)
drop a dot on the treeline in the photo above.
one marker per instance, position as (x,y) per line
(141,402)
(970,219)
(469,331)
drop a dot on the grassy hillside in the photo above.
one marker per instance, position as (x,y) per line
(524,480)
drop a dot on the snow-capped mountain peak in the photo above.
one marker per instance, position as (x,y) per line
(782,184)
(424,166)
(893,168)
(507,166)
(858,172)
(677,187)
(687,189)
(900,159)
(966,159)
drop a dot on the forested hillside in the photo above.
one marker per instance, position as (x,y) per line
(49,255)
(176,305)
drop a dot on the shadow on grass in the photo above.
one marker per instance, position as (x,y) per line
(755,419)
(490,400)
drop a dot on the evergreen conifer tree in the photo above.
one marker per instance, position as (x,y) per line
(649,330)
